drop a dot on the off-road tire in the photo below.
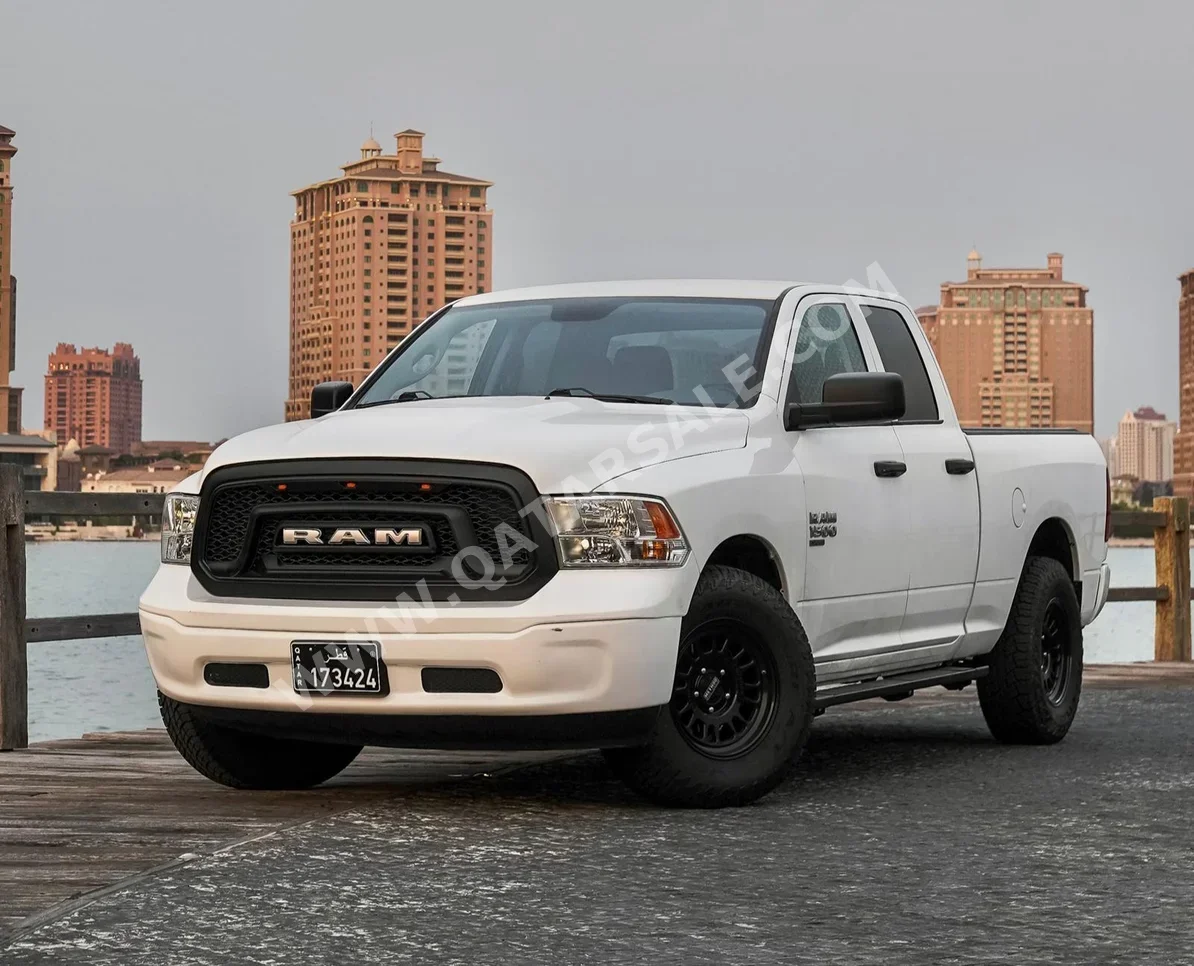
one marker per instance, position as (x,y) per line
(1013,694)
(240,759)
(669,769)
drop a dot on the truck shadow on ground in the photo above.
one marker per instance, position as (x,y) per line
(862,748)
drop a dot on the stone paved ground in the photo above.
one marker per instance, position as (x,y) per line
(908,836)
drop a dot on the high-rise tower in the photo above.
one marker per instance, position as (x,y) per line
(1016,346)
(10,397)
(373,251)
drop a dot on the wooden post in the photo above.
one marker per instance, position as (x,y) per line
(1172,635)
(14,675)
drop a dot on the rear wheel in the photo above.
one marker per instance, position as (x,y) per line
(240,759)
(1030,694)
(742,700)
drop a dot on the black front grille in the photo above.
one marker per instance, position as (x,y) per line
(459,506)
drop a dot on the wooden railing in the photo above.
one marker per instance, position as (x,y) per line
(1169,520)
(15,631)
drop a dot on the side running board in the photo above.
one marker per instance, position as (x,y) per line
(898,684)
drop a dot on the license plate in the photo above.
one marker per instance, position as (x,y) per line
(336,667)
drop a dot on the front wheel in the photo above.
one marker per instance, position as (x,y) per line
(742,700)
(242,760)
(1030,693)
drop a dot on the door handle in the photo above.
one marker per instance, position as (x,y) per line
(890,468)
(958,467)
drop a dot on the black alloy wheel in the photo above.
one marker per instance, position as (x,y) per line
(1033,685)
(742,700)
(1056,638)
(726,688)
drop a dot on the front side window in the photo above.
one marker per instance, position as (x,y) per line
(688,351)
(899,353)
(826,345)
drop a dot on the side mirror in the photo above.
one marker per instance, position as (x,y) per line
(851,397)
(327,397)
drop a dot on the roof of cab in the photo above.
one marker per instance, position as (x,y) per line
(725,288)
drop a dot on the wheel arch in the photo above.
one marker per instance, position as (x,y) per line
(1055,539)
(754,555)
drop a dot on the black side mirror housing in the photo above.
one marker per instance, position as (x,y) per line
(851,397)
(327,397)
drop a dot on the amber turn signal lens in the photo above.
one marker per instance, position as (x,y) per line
(350,486)
(654,550)
(665,526)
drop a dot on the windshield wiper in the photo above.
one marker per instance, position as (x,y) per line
(407,395)
(608,396)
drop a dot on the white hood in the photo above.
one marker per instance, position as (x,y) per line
(564,445)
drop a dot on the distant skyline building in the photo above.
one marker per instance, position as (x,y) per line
(1144,446)
(160,476)
(93,396)
(372,252)
(1016,346)
(10,396)
(1183,451)
(35,455)
(1108,446)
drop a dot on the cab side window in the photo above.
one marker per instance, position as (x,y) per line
(900,354)
(826,345)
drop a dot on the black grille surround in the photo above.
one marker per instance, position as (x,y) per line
(458,505)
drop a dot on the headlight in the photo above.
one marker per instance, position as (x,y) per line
(178,527)
(616,531)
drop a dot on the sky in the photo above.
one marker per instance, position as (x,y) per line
(159,143)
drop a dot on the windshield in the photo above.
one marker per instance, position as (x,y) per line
(687,351)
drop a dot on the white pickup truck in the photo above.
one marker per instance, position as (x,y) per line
(672,520)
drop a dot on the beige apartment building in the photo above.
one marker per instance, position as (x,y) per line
(372,252)
(1144,446)
(10,397)
(1016,346)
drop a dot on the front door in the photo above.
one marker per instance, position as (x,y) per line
(856,573)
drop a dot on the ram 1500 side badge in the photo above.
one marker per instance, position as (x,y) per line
(822,525)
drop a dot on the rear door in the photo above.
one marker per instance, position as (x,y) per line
(856,574)
(939,499)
